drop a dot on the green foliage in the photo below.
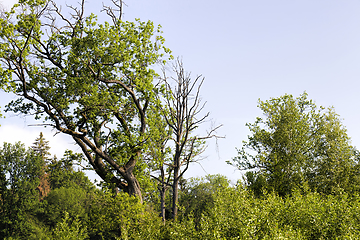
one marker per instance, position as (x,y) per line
(69,229)
(93,81)
(197,196)
(123,217)
(237,214)
(41,147)
(62,174)
(255,182)
(297,143)
(210,209)
(24,214)
(19,177)
(180,230)
(72,200)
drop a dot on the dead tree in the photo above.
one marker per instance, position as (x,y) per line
(182,111)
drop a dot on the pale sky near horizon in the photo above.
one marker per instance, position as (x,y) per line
(248,50)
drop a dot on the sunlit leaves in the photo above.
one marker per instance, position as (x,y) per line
(297,143)
(84,78)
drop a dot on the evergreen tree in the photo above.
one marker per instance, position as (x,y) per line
(41,148)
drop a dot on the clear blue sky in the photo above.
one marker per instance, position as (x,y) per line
(248,50)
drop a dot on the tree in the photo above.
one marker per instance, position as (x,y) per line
(128,218)
(159,155)
(19,178)
(336,161)
(198,195)
(62,173)
(296,143)
(92,81)
(41,147)
(182,113)
(74,200)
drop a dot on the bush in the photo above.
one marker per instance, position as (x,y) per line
(237,214)
(122,216)
(73,200)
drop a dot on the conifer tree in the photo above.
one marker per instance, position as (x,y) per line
(41,147)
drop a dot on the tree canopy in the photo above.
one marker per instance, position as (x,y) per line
(297,143)
(93,81)
(20,170)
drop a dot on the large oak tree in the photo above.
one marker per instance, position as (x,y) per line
(93,81)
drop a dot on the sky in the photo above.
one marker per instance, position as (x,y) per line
(246,50)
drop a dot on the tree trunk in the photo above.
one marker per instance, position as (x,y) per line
(133,187)
(175,197)
(162,202)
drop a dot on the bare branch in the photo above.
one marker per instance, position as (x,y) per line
(115,13)
(181,111)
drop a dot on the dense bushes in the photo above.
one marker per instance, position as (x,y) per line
(235,213)
(229,213)
(239,215)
